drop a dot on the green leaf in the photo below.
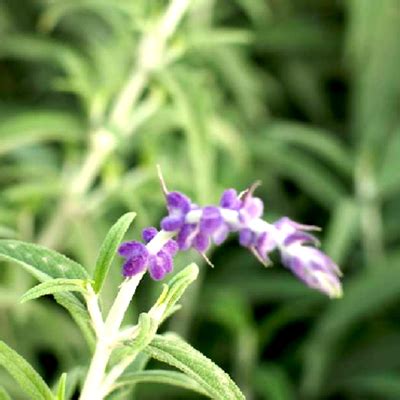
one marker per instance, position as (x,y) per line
(109,248)
(318,141)
(175,288)
(41,262)
(27,127)
(304,170)
(273,383)
(378,385)
(342,230)
(364,296)
(161,376)
(61,387)
(147,329)
(4,395)
(29,380)
(79,314)
(45,264)
(176,352)
(54,286)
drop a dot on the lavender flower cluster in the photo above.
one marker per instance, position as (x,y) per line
(198,227)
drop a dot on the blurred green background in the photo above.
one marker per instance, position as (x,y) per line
(303,95)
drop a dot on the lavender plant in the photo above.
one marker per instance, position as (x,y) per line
(116,348)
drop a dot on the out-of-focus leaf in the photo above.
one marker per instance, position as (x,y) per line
(306,172)
(389,176)
(29,127)
(193,114)
(161,376)
(177,353)
(297,35)
(29,380)
(109,248)
(272,383)
(54,286)
(318,141)
(218,37)
(364,296)
(380,385)
(6,232)
(3,394)
(342,229)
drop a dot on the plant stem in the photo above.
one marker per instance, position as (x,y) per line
(151,54)
(93,388)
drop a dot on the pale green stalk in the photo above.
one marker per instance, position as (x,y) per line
(108,332)
(151,55)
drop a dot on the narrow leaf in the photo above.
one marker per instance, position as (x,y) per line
(161,376)
(41,262)
(29,380)
(45,264)
(175,289)
(176,352)
(4,395)
(61,387)
(54,286)
(109,248)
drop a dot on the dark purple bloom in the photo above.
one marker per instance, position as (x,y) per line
(149,233)
(230,200)
(201,242)
(178,206)
(156,268)
(171,247)
(160,265)
(185,236)
(196,227)
(211,220)
(136,256)
(178,201)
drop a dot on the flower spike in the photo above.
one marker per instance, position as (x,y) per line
(198,227)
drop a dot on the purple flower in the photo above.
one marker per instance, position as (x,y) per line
(230,200)
(160,265)
(197,227)
(211,220)
(264,245)
(186,236)
(136,256)
(178,206)
(252,208)
(314,268)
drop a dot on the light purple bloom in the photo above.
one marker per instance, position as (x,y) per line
(230,200)
(185,236)
(314,268)
(252,208)
(264,245)
(211,220)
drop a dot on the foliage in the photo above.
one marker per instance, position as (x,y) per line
(301,95)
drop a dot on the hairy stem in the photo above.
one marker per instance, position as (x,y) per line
(109,334)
